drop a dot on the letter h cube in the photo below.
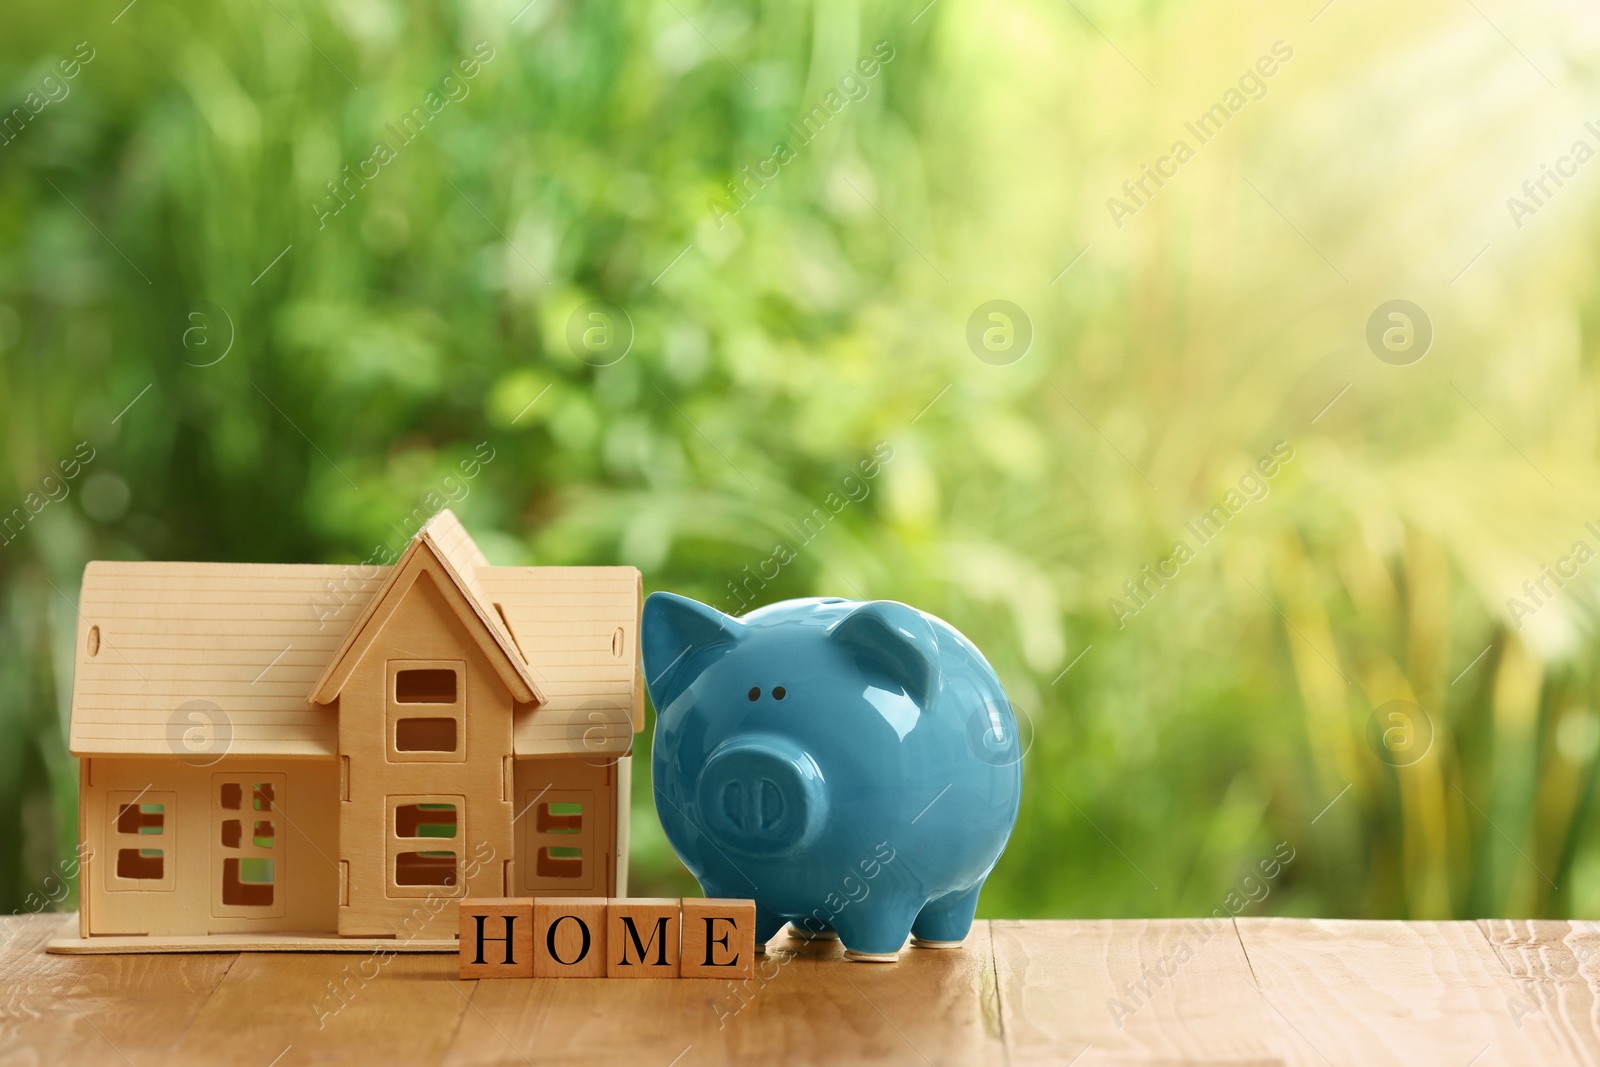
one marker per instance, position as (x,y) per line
(497,937)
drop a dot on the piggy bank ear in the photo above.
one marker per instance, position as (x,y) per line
(889,638)
(673,631)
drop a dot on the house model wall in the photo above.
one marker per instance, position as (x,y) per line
(254,761)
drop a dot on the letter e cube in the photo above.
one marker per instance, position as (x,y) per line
(719,938)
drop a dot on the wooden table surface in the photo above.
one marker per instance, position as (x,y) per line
(1247,992)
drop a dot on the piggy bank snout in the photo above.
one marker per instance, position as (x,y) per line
(762,796)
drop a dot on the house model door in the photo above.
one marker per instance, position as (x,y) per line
(248,874)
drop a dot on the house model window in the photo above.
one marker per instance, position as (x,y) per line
(425,833)
(426,735)
(560,834)
(140,836)
(427,708)
(429,685)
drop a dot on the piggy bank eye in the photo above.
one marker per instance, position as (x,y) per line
(778,692)
(755,692)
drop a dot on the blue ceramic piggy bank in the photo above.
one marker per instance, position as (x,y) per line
(852,767)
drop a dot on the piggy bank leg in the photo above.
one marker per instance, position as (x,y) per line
(944,921)
(767,926)
(874,934)
(767,923)
(810,928)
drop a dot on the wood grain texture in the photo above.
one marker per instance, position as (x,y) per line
(1255,992)
(372,1009)
(1556,966)
(99,1010)
(1394,993)
(236,943)
(1156,991)
(806,1005)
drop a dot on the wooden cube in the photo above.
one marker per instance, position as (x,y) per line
(569,937)
(497,937)
(719,938)
(642,937)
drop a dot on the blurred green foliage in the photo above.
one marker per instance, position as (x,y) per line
(173,205)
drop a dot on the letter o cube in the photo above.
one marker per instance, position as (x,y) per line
(569,937)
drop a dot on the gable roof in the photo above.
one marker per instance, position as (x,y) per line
(580,625)
(444,540)
(256,639)
(248,638)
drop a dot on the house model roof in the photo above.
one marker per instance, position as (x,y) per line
(445,539)
(269,644)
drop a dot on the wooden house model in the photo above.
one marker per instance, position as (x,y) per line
(331,752)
